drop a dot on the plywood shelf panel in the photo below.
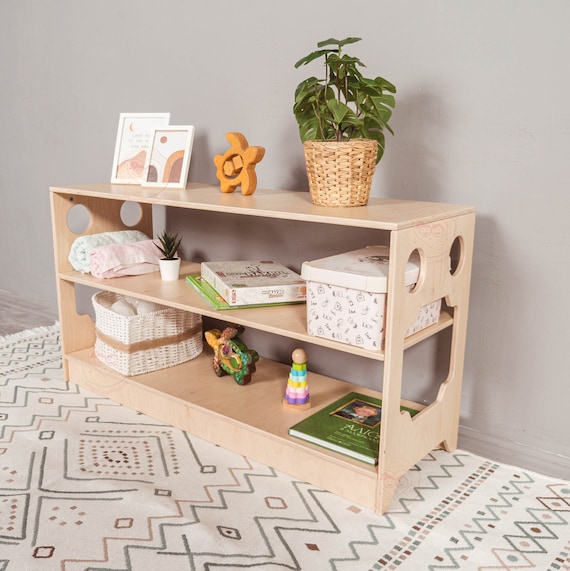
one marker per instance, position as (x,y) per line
(285,320)
(380,213)
(248,419)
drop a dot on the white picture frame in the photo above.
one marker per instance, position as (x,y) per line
(168,161)
(133,144)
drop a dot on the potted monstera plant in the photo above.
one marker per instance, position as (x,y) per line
(342,120)
(169,264)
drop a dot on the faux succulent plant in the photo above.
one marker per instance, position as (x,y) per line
(169,244)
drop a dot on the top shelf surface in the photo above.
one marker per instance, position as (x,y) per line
(380,213)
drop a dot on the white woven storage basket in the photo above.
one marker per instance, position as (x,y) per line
(138,344)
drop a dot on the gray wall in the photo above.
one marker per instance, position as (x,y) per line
(482,118)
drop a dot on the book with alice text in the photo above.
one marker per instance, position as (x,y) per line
(349,425)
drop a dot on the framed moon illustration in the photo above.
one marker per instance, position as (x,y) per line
(133,145)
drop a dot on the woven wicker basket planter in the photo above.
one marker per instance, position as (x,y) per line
(340,174)
(140,344)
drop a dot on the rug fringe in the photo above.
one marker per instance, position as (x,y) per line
(29,333)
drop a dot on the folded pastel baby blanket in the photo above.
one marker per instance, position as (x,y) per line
(79,252)
(130,259)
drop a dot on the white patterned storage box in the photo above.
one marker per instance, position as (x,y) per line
(136,336)
(346,297)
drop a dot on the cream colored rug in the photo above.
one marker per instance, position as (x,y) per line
(87,484)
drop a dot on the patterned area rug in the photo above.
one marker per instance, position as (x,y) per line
(87,484)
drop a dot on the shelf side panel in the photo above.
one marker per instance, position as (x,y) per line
(404,440)
(78,331)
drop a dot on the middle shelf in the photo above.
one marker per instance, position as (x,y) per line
(285,320)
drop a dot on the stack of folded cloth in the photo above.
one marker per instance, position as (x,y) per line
(114,254)
(79,252)
(129,259)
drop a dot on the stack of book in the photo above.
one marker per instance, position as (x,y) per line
(239,284)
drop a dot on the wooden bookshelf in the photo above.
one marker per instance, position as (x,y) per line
(250,419)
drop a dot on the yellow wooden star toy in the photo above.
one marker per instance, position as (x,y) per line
(237,165)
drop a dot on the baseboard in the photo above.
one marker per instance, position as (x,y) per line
(514,453)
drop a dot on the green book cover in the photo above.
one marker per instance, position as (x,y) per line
(216,300)
(350,425)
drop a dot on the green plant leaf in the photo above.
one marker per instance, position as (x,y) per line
(385,85)
(339,110)
(339,43)
(312,56)
(309,131)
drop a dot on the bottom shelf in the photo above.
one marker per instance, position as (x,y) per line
(249,420)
